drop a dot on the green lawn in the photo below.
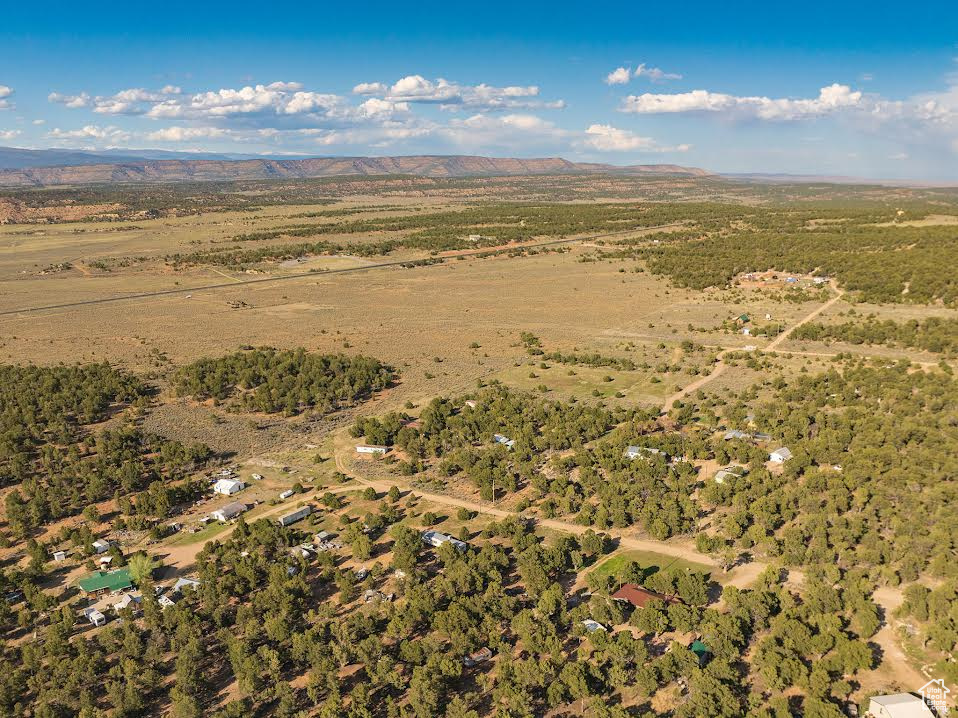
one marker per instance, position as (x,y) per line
(648,560)
(634,385)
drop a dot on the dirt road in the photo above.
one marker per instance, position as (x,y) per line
(720,366)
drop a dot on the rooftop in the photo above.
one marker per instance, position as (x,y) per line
(106,580)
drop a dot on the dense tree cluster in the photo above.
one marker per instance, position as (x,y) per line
(60,465)
(291,381)
(53,405)
(879,264)
(934,334)
(935,610)
(874,448)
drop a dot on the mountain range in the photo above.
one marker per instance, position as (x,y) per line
(44,168)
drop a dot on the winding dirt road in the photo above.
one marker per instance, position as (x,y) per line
(720,366)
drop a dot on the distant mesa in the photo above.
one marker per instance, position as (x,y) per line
(44,168)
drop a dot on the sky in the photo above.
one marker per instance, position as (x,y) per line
(840,88)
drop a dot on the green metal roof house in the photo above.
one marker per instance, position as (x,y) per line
(106,581)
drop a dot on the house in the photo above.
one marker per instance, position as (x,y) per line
(129,600)
(898,705)
(94,616)
(101,545)
(59,556)
(504,440)
(371,449)
(100,582)
(230,511)
(104,562)
(592,626)
(189,584)
(286,494)
(729,472)
(743,319)
(437,539)
(780,456)
(323,536)
(480,656)
(293,516)
(736,434)
(228,487)
(639,597)
(634,452)
(299,552)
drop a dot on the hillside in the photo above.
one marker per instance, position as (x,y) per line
(179,170)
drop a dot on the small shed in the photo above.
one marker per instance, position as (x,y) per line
(592,626)
(101,545)
(780,456)
(95,617)
(59,556)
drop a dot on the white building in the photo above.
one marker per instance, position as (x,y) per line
(95,617)
(228,487)
(230,511)
(190,584)
(59,556)
(504,440)
(634,452)
(898,705)
(286,494)
(780,456)
(371,449)
(101,546)
(729,472)
(294,516)
(437,539)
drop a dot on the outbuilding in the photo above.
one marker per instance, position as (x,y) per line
(780,456)
(898,705)
(101,545)
(228,487)
(294,516)
(372,449)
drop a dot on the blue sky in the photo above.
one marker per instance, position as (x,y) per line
(863,89)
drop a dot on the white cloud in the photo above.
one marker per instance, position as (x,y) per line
(606,138)
(91,132)
(6,135)
(452,95)
(39,122)
(370,88)
(71,101)
(901,156)
(5,92)
(655,74)
(619,76)
(830,99)
(184,134)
